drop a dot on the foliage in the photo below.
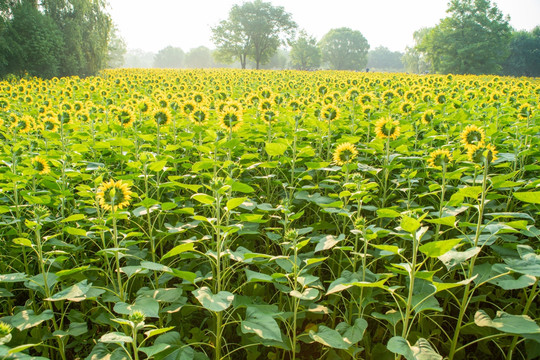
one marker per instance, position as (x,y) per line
(253,30)
(200,57)
(472,40)
(344,49)
(169,57)
(381,58)
(197,214)
(117,50)
(305,54)
(524,59)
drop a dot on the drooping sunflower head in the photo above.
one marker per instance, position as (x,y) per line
(199,98)
(428,116)
(114,195)
(231,120)
(482,154)
(345,153)
(270,116)
(199,115)
(162,116)
(188,106)
(472,135)
(439,158)
(144,106)
(24,124)
(352,94)
(49,121)
(41,165)
(124,117)
(524,111)
(440,99)
(387,128)
(365,98)
(367,110)
(265,104)
(406,107)
(330,112)
(388,96)
(4,104)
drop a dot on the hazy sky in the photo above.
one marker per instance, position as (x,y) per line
(153,25)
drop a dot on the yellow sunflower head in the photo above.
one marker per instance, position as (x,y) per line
(24,124)
(428,116)
(114,195)
(365,98)
(231,120)
(345,153)
(270,116)
(188,106)
(330,112)
(439,158)
(265,104)
(387,128)
(41,165)
(124,117)
(482,154)
(524,111)
(162,116)
(472,135)
(199,115)
(406,107)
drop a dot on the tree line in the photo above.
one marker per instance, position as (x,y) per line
(76,37)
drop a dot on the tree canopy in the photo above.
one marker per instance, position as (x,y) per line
(169,57)
(382,58)
(305,54)
(472,40)
(344,49)
(524,56)
(253,30)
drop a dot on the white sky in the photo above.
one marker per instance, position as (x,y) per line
(153,25)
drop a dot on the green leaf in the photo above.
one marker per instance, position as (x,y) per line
(261,324)
(235,202)
(241,187)
(22,242)
(155,332)
(513,324)
(213,302)
(12,278)
(327,242)
(275,149)
(75,231)
(75,217)
(179,249)
(387,213)
(409,224)
(203,198)
(115,338)
(531,197)
(147,305)
(422,350)
(448,221)
(157,165)
(452,258)
(308,294)
(27,319)
(75,293)
(438,248)
(329,337)
(253,276)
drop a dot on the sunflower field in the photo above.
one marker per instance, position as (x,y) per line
(225,214)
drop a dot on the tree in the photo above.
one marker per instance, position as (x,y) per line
(344,49)
(414,61)
(31,43)
(524,59)
(305,54)
(278,61)
(169,57)
(200,57)
(253,30)
(137,58)
(381,58)
(117,50)
(472,40)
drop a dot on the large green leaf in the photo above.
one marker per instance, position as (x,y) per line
(147,305)
(213,302)
(27,319)
(275,149)
(75,293)
(422,350)
(513,324)
(261,323)
(329,337)
(438,248)
(532,197)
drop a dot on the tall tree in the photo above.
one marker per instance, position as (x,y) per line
(472,40)
(169,57)
(117,50)
(382,58)
(524,59)
(199,58)
(253,30)
(305,54)
(344,49)
(413,60)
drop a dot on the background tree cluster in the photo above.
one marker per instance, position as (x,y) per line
(54,37)
(476,38)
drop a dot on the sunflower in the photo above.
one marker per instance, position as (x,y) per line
(113,195)
(428,116)
(387,128)
(41,165)
(388,95)
(144,106)
(352,94)
(472,135)
(440,99)
(24,124)
(161,116)
(199,98)
(330,112)
(231,119)
(4,104)
(49,121)
(365,98)
(438,158)
(199,115)
(406,107)
(345,153)
(482,153)
(188,106)
(125,117)
(367,110)
(270,116)
(265,104)
(524,111)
